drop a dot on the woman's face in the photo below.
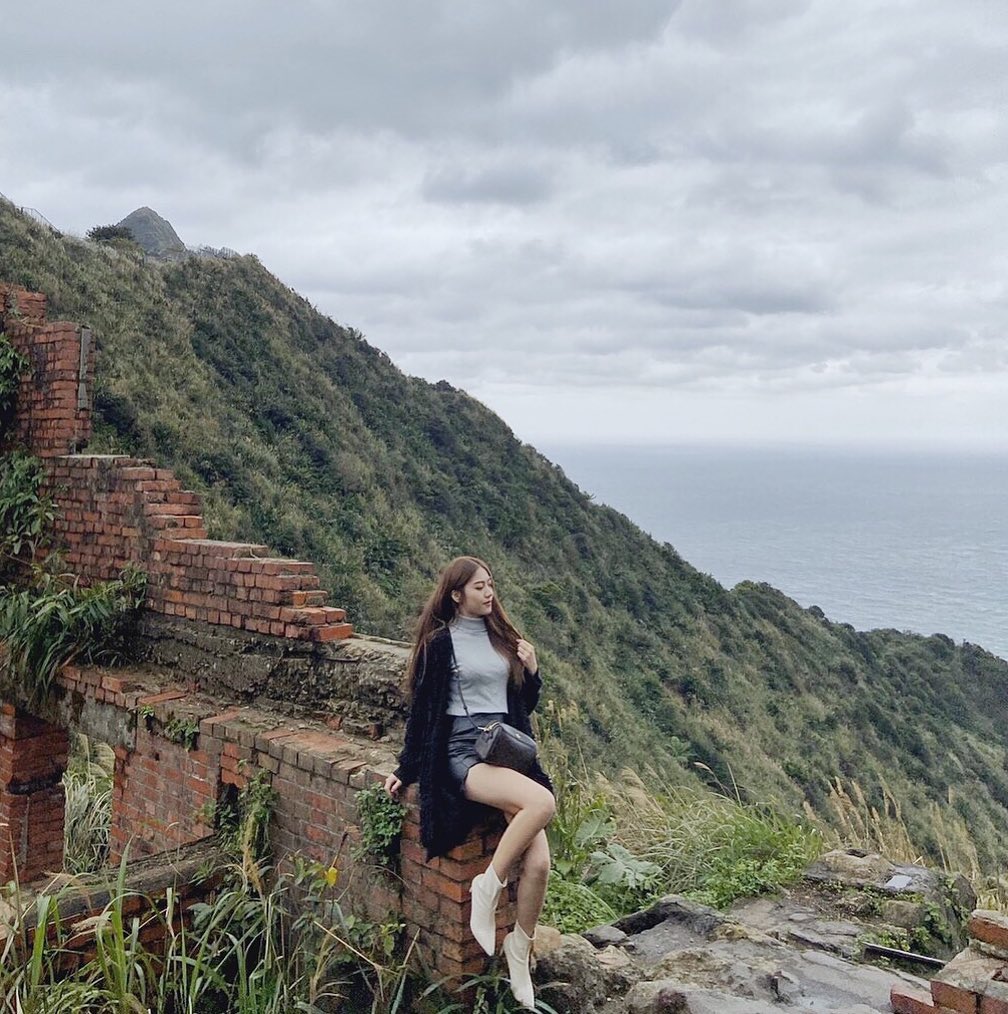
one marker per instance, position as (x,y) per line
(476,598)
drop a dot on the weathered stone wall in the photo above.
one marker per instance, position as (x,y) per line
(356,682)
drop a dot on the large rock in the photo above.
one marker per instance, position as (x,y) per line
(678,957)
(852,867)
(576,977)
(900,904)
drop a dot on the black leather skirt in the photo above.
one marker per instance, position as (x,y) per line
(462,743)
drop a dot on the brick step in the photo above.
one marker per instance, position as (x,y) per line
(331,632)
(180,533)
(214,548)
(288,582)
(281,565)
(185,496)
(139,471)
(172,496)
(119,460)
(180,556)
(155,486)
(163,507)
(164,521)
(313,617)
(244,574)
(304,599)
(194,533)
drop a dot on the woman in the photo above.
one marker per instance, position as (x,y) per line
(468,657)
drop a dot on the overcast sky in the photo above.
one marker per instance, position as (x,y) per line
(747,220)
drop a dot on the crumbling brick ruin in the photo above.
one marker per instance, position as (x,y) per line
(240,650)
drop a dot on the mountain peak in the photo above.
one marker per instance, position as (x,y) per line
(154,234)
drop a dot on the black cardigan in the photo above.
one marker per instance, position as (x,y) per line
(446,816)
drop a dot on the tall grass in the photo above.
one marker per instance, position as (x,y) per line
(251,949)
(708,845)
(87,784)
(617,845)
(857,823)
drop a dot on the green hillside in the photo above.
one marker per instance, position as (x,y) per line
(301,434)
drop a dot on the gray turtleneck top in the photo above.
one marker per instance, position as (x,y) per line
(482,672)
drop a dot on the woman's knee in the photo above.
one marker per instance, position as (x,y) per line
(510,792)
(544,806)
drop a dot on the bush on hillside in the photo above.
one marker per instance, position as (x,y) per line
(108,233)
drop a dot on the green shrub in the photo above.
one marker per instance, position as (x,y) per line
(572,906)
(624,881)
(107,233)
(243,826)
(13,366)
(87,783)
(711,846)
(25,514)
(381,822)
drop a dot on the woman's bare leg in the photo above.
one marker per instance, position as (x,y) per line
(530,805)
(531,894)
(532,886)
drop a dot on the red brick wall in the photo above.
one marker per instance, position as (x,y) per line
(33,756)
(116,510)
(54,400)
(162,788)
(163,794)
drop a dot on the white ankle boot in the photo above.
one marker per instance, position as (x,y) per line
(485,891)
(517,948)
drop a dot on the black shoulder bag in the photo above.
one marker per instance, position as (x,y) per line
(501,744)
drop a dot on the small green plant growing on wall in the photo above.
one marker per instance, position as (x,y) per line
(381,822)
(182,730)
(13,366)
(25,512)
(244,826)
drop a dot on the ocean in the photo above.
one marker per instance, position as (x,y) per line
(913,541)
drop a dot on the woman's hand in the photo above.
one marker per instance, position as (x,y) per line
(392,786)
(527,656)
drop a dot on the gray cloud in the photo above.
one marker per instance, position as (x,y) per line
(713,202)
(500,184)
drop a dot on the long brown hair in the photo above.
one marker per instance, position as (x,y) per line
(440,610)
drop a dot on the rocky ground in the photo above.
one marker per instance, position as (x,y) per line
(806,949)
